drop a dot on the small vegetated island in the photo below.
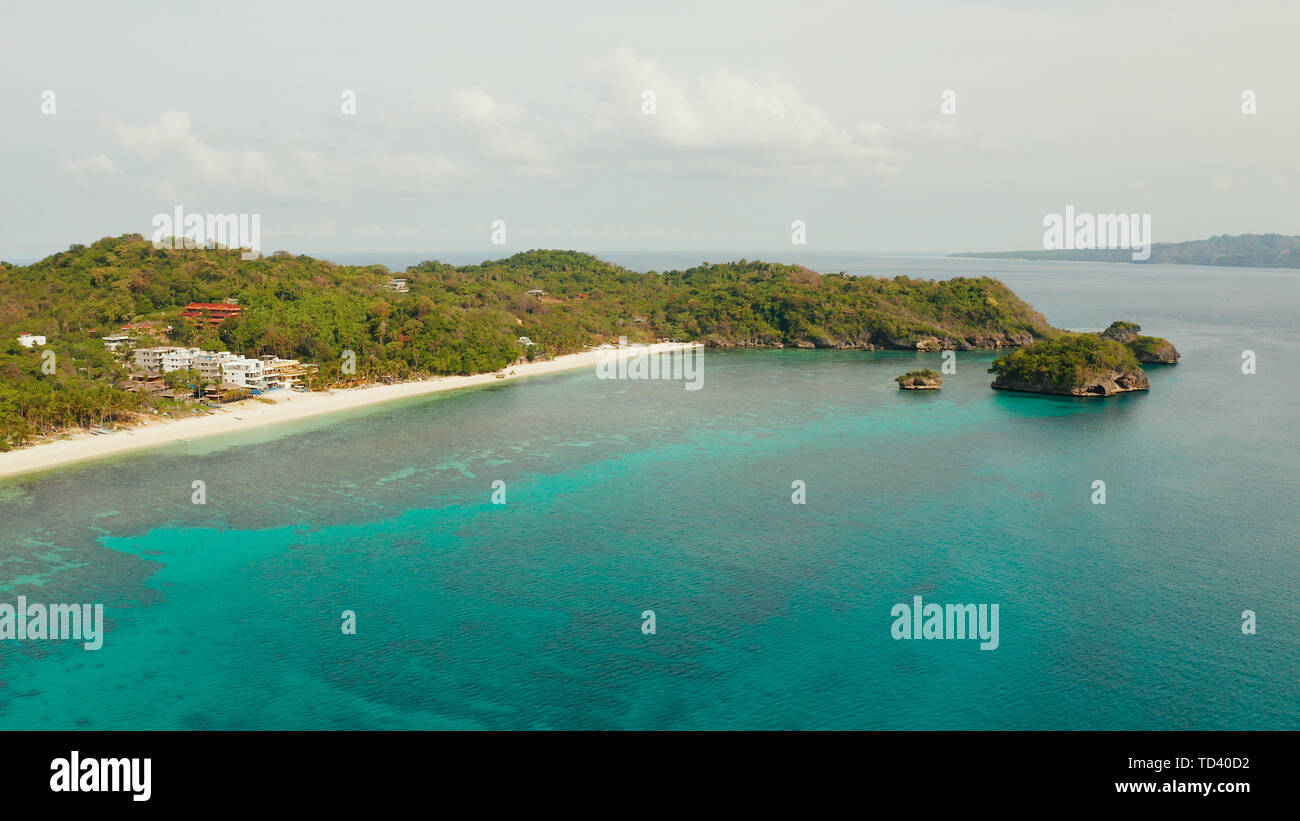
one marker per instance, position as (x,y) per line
(1084,364)
(922,380)
(1148,349)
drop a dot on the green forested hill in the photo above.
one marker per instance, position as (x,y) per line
(455,320)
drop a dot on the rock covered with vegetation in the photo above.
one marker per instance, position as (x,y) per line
(1148,349)
(1071,364)
(922,380)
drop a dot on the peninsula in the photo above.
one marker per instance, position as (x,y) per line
(121,344)
(120,331)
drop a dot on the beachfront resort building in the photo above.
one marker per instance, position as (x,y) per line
(165,358)
(177,359)
(208,364)
(149,359)
(244,373)
(30,340)
(284,373)
(265,373)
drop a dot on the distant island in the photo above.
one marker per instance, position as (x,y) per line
(1084,364)
(1244,251)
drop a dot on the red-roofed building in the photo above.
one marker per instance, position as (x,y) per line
(214,312)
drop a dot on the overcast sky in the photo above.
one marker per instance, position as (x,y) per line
(532,113)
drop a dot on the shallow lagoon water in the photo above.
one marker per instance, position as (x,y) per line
(628,496)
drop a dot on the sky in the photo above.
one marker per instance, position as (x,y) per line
(536,115)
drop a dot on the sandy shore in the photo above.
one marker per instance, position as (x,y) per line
(288,406)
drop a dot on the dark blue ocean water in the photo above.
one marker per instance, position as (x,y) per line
(629,496)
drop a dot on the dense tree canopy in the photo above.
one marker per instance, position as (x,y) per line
(1065,361)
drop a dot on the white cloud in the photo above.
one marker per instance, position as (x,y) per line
(722,124)
(172,139)
(87,169)
(941,131)
(178,162)
(500,133)
(420,173)
(727,124)
(386,231)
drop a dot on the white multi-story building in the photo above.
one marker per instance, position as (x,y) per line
(218,367)
(273,372)
(208,364)
(165,358)
(178,359)
(148,359)
(30,340)
(284,373)
(246,373)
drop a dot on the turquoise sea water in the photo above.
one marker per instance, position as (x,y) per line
(628,496)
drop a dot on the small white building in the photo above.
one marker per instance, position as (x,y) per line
(118,342)
(30,340)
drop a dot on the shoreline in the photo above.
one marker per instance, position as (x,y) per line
(246,414)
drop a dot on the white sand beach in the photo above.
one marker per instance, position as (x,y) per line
(288,406)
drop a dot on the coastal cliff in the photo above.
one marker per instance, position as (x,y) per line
(922,343)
